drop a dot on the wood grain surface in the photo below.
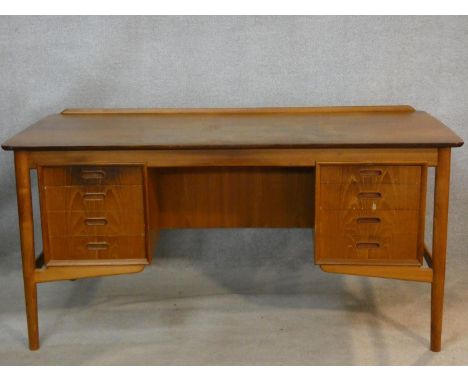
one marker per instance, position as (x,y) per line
(231,128)
(233,157)
(235,197)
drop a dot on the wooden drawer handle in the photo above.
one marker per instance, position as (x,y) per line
(370,172)
(94,196)
(93,174)
(97,246)
(95,221)
(368,220)
(367,245)
(369,195)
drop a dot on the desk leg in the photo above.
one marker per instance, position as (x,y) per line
(439,245)
(26,226)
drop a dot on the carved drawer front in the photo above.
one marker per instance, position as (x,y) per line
(83,204)
(369,214)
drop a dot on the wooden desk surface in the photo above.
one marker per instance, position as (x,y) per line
(376,126)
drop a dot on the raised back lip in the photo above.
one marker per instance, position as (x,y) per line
(243,110)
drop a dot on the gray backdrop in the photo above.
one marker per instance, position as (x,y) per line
(50,63)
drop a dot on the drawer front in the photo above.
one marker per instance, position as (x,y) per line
(363,223)
(95,223)
(369,214)
(95,249)
(92,175)
(382,249)
(387,174)
(369,196)
(93,198)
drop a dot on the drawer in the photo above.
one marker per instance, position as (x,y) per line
(386,174)
(385,237)
(369,196)
(80,250)
(382,249)
(92,175)
(95,223)
(368,222)
(93,198)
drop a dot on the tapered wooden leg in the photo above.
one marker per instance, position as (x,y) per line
(26,226)
(439,246)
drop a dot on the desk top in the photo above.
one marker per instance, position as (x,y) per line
(321,127)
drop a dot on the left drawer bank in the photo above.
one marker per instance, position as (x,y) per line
(93,215)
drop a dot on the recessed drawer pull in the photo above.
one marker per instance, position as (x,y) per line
(368,220)
(369,195)
(95,221)
(93,174)
(97,246)
(370,172)
(94,196)
(367,245)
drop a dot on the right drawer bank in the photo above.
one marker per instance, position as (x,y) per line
(370,213)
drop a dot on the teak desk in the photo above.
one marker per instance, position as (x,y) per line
(110,179)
